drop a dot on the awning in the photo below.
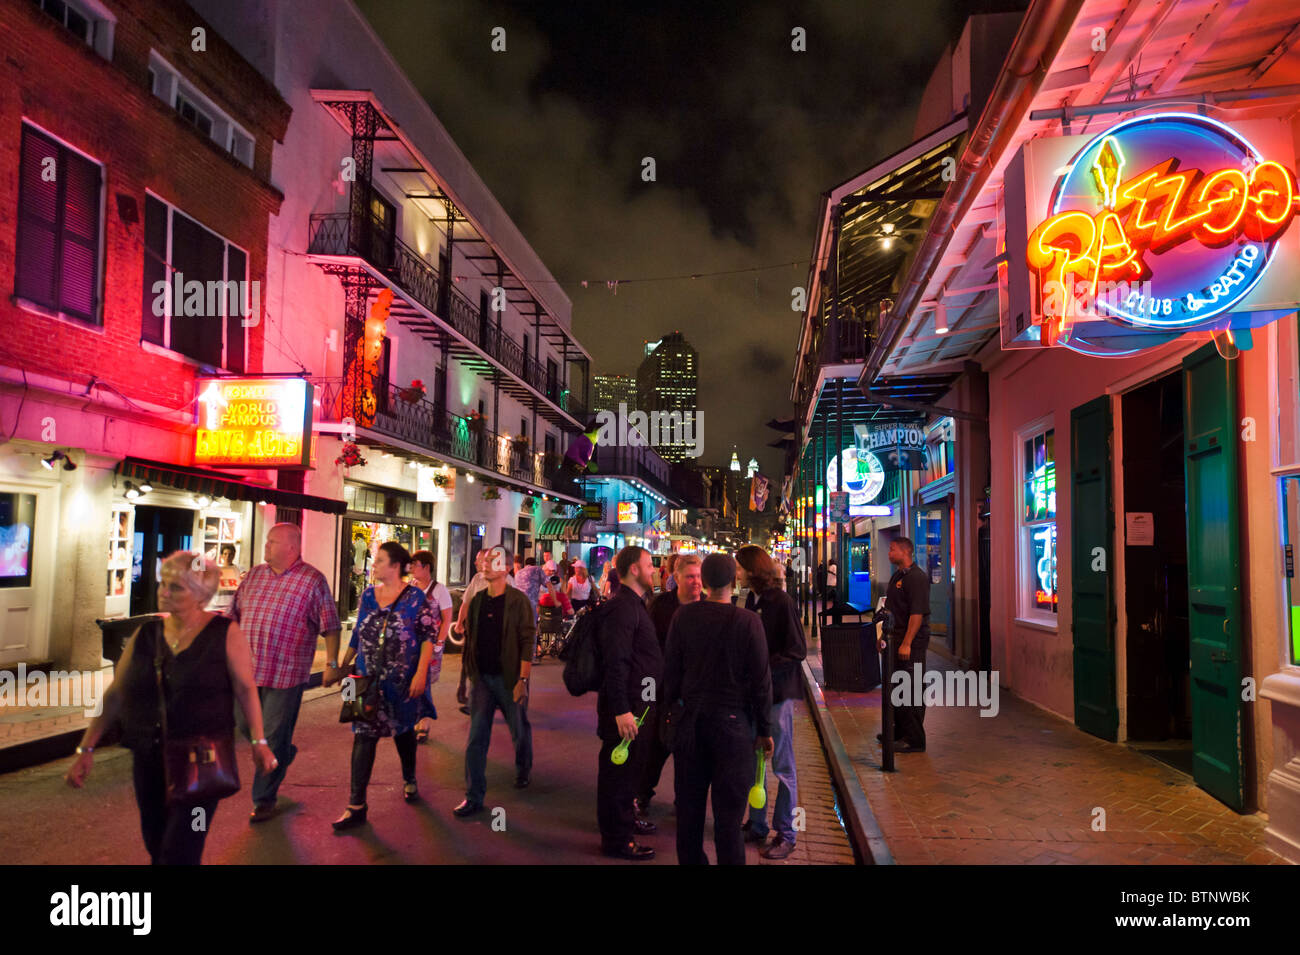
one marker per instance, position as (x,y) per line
(565,528)
(215,484)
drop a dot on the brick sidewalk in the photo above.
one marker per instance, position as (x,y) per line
(1022,787)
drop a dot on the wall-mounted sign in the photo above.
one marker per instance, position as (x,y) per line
(898,446)
(1139,528)
(864,476)
(839,507)
(593,511)
(254,423)
(1160,225)
(629,512)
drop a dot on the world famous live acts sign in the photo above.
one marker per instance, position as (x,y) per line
(1159,226)
(253,423)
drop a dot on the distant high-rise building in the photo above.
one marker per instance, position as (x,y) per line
(668,381)
(610,390)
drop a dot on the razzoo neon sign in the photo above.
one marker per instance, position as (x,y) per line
(1163,222)
(254,423)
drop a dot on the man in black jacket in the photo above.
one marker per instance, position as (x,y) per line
(786,649)
(632,671)
(717,666)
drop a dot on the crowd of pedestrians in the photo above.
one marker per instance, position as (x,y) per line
(684,673)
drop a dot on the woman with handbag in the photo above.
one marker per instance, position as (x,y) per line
(184,748)
(393,643)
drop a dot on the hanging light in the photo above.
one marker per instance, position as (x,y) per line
(56,457)
(203,500)
(145,487)
(131,492)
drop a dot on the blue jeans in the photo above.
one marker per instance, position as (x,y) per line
(487,694)
(787,793)
(279,717)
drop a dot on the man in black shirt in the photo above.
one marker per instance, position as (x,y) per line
(908,599)
(686,573)
(717,666)
(633,669)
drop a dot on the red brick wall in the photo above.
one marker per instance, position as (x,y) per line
(57,82)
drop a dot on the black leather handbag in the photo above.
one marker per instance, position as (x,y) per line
(196,769)
(362,698)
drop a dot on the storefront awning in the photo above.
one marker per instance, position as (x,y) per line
(215,484)
(566,528)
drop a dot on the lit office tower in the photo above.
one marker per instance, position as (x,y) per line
(667,381)
(610,390)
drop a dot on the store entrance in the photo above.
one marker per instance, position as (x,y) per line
(159,532)
(1159,711)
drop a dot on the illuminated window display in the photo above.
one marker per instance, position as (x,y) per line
(1038,524)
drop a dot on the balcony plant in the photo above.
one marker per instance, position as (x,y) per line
(413,392)
(491,492)
(520,445)
(477,422)
(350,456)
(440,479)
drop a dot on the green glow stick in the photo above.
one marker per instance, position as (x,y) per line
(758,791)
(619,756)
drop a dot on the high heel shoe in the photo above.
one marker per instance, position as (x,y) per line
(350,819)
(411,793)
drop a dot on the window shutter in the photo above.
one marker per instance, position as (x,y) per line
(152,327)
(37,221)
(236,271)
(79,258)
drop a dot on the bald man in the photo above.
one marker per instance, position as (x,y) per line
(282,606)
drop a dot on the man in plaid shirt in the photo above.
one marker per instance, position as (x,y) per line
(282,606)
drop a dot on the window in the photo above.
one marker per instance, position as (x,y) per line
(195,290)
(166,83)
(58,228)
(17,533)
(87,20)
(1037,518)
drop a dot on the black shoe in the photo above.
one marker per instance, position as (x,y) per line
(779,849)
(522,781)
(909,748)
(262,811)
(467,808)
(350,819)
(644,827)
(465,710)
(410,792)
(751,835)
(630,851)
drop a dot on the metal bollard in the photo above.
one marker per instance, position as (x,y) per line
(885,620)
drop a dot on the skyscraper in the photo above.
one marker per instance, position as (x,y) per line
(667,381)
(610,390)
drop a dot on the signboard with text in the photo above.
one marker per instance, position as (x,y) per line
(254,423)
(629,512)
(900,446)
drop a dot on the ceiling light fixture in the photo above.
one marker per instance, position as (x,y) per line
(55,458)
(145,487)
(203,500)
(131,492)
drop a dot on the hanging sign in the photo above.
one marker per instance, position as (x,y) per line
(899,446)
(1160,225)
(254,423)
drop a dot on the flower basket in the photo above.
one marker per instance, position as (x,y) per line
(413,392)
(491,492)
(350,456)
(441,480)
(476,423)
(520,446)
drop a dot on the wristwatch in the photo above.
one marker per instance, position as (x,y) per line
(331,665)
(260,742)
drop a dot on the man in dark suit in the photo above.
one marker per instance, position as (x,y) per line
(633,669)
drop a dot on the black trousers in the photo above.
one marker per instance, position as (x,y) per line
(616,786)
(909,721)
(363,761)
(714,749)
(172,836)
(655,759)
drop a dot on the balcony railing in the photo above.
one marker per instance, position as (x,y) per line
(427,425)
(336,233)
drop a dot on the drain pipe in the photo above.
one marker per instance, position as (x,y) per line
(1041,34)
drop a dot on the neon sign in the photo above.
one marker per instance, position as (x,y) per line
(1162,222)
(254,422)
(864,476)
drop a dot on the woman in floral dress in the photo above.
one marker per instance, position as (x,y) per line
(393,639)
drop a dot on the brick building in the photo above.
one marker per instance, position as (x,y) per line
(136,147)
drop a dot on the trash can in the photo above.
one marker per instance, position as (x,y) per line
(849,658)
(118,630)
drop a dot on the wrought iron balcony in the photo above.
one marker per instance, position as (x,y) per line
(426,425)
(338,233)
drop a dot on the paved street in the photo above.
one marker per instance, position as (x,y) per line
(553,822)
(1021,787)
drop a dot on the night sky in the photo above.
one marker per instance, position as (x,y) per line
(746,135)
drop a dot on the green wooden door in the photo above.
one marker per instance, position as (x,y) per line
(1091,565)
(1213,576)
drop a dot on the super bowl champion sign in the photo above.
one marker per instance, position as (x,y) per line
(1158,226)
(254,423)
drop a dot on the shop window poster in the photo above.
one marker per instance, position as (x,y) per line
(119,551)
(17,526)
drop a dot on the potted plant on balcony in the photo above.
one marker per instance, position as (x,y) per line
(491,492)
(477,422)
(413,392)
(440,479)
(350,457)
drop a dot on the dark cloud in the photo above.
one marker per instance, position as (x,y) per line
(746,135)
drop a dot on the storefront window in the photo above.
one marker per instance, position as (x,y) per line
(1038,597)
(17,530)
(1290,539)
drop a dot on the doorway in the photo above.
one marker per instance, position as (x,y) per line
(159,532)
(1155,561)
